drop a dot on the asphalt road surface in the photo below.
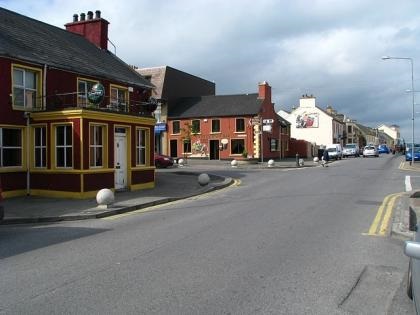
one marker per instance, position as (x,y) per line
(278,242)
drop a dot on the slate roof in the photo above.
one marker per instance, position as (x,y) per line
(30,40)
(216,106)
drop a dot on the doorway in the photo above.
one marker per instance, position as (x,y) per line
(120,158)
(174,148)
(214,149)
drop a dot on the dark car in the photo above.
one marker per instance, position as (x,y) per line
(383,148)
(163,160)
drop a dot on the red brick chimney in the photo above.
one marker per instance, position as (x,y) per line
(93,29)
(264,91)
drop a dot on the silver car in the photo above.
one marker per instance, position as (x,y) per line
(412,250)
(350,149)
(370,150)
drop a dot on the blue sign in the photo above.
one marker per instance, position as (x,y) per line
(160,128)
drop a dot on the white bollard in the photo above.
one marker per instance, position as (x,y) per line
(316,159)
(234,163)
(270,163)
(104,198)
(301,162)
(181,162)
(203,179)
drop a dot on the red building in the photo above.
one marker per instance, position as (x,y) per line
(74,117)
(227,127)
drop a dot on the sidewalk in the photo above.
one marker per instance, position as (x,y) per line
(170,185)
(408,210)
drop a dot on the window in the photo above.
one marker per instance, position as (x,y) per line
(274,145)
(349,129)
(141,140)
(26,88)
(215,125)
(119,99)
(10,147)
(187,146)
(240,125)
(64,146)
(40,134)
(83,87)
(195,126)
(96,145)
(237,146)
(176,127)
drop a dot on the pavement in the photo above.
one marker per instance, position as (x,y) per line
(171,184)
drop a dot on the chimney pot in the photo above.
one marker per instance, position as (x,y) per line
(97,14)
(82,16)
(75,17)
(90,15)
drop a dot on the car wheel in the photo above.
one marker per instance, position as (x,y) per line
(157,164)
(409,282)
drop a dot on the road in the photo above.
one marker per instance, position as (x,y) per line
(278,242)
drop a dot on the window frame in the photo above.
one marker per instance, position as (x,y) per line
(41,150)
(115,103)
(195,130)
(179,127)
(37,102)
(236,125)
(82,99)
(232,145)
(142,149)
(64,146)
(18,148)
(212,129)
(94,147)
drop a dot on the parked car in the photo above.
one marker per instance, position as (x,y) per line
(370,150)
(351,149)
(335,151)
(412,250)
(383,148)
(163,160)
(408,154)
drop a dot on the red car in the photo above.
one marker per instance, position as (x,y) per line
(163,160)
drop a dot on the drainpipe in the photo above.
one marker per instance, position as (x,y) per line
(44,88)
(27,115)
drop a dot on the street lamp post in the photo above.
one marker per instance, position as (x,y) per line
(412,95)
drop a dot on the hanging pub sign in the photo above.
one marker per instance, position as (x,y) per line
(96,94)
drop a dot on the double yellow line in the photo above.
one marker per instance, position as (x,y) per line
(380,224)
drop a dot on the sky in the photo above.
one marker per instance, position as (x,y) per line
(330,49)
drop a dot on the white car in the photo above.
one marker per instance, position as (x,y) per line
(350,149)
(370,150)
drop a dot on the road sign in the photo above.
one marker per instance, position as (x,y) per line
(268,121)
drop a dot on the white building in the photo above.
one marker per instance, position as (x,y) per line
(313,124)
(393,131)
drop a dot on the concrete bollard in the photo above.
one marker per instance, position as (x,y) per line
(270,163)
(181,162)
(104,198)
(234,163)
(203,179)
(316,159)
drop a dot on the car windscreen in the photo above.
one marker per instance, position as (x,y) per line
(350,146)
(331,149)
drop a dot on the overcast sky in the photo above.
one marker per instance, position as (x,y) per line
(331,49)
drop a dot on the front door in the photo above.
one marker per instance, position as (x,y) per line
(214,149)
(174,149)
(120,159)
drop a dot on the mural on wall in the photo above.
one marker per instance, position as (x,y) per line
(307,120)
